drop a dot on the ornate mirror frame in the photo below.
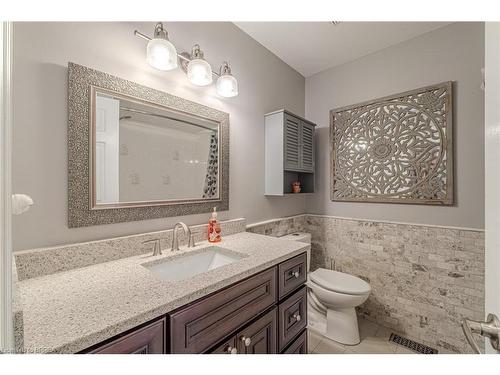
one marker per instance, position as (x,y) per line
(82,210)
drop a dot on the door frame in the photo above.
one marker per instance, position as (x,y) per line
(492,172)
(6,321)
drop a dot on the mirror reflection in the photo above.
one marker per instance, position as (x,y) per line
(148,153)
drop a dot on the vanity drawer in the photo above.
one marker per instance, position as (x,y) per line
(299,345)
(292,317)
(200,325)
(149,339)
(292,273)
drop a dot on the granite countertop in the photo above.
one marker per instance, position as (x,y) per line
(69,311)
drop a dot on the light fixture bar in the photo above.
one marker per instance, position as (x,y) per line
(141,35)
(145,37)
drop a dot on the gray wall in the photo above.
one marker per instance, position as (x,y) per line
(453,53)
(41,54)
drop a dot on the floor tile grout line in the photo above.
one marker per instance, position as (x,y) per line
(317,344)
(378,333)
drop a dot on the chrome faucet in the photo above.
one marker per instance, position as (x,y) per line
(175,240)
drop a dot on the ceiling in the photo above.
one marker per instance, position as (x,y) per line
(311,47)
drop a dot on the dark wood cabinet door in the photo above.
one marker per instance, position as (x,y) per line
(292,317)
(259,337)
(299,345)
(146,340)
(200,325)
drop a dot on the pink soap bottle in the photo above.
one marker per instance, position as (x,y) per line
(214,228)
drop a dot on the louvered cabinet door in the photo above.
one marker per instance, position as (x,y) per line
(292,143)
(307,147)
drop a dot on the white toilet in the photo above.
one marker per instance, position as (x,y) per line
(333,297)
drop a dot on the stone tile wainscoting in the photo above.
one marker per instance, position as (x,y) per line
(424,279)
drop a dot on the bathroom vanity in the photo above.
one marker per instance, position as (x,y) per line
(263,314)
(255,304)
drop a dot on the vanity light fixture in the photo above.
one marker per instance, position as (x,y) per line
(227,85)
(160,52)
(162,55)
(199,70)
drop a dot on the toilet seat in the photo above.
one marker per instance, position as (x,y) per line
(339,282)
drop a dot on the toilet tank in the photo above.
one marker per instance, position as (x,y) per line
(301,237)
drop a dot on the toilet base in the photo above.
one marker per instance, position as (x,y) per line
(316,321)
(340,325)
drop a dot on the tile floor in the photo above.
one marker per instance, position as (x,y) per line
(374,340)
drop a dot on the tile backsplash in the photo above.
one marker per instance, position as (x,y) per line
(279,227)
(424,279)
(46,261)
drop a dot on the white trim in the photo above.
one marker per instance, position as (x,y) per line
(400,223)
(253,225)
(492,175)
(259,223)
(6,322)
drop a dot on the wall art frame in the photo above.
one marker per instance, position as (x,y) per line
(394,149)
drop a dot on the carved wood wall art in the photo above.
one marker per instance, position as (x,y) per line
(397,149)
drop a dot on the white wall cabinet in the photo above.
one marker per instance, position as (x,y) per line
(289,148)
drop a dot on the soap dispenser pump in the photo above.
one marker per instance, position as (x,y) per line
(214,228)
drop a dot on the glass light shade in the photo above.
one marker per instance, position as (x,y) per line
(161,54)
(199,72)
(227,86)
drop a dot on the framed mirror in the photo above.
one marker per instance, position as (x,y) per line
(137,153)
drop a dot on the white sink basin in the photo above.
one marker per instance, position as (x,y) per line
(193,263)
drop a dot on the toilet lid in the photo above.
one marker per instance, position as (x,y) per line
(339,282)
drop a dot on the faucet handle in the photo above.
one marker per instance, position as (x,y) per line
(157,246)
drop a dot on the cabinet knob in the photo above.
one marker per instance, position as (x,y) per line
(231,350)
(246,340)
(295,274)
(297,317)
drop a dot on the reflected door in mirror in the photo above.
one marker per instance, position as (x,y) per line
(107,149)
